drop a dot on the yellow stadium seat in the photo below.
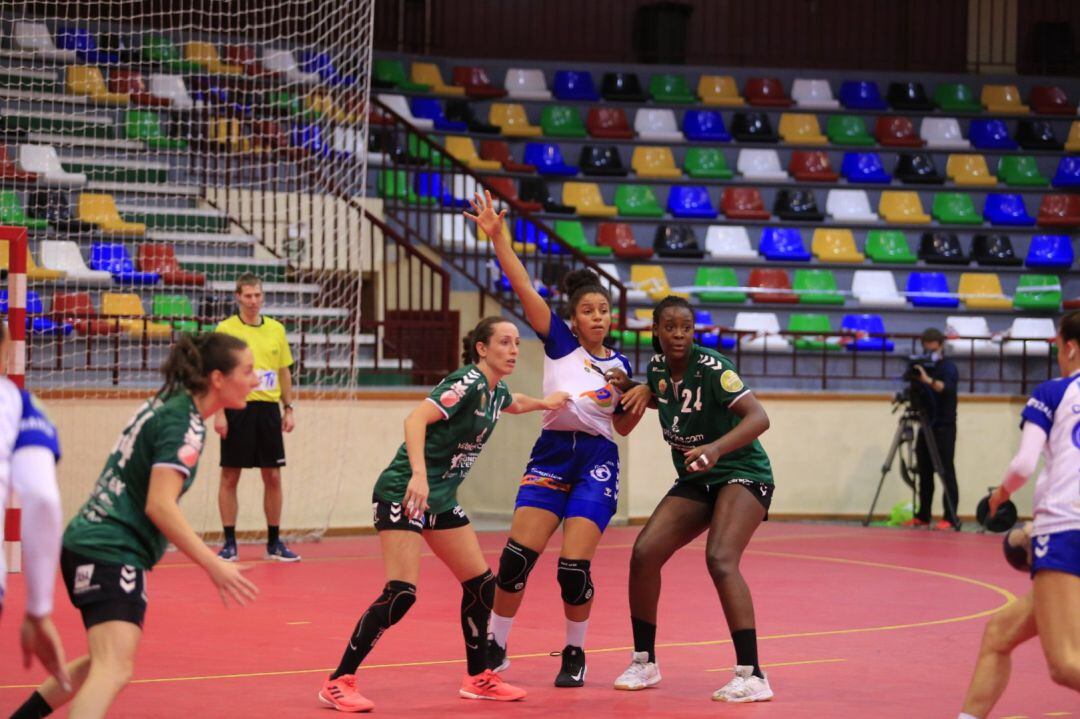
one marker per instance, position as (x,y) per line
(205,54)
(129,306)
(835,246)
(83,80)
(226,132)
(799,128)
(521,248)
(464,150)
(1072,144)
(1003,98)
(982,291)
(654,162)
(585,197)
(326,105)
(512,120)
(969,170)
(34,273)
(901,206)
(427,73)
(100,210)
(653,281)
(719,91)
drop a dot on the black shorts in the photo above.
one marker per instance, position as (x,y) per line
(104,592)
(254,437)
(391,515)
(708,493)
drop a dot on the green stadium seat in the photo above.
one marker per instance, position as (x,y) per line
(819,323)
(817,287)
(168,306)
(1040,293)
(562,121)
(395,185)
(718,277)
(671,88)
(391,74)
(955,208)
(145,126)
(1021,170)
(637,201)
(12,213)
(573,233)
(849,130)
(160,49)
(424,152)
(956,97)
(889,247)
(707,162)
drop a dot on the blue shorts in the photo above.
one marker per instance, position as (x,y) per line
(572,474)
(1059,552)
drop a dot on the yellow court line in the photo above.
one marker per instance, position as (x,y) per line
(784,664)
(293,624)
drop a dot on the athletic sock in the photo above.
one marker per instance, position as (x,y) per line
(272,531)
(967,716)
(575,633)
(745,641)
(33,708)
(500,628)
(230,534)
(644,637)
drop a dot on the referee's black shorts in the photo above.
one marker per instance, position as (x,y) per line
(254,437)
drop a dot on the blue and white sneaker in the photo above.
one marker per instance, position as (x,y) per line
(228,552)
(280,553)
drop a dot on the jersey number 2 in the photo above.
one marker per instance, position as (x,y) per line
(687,395)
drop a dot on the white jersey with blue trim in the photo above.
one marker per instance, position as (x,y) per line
(1055,408)
(568,367)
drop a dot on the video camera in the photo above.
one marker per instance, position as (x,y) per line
(914,388)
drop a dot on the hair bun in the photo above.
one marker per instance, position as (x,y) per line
(577,279)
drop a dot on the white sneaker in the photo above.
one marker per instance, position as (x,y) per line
(744,687)
(641,674)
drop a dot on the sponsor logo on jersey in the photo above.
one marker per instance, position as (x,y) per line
(604,397)
(601,472)
(662,386)
(731,381)
(188,455)
(536,480)
(83,574)
(452,396)
(128,575)
(1042,546)
(1040,407)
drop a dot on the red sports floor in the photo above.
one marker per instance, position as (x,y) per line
(852,623)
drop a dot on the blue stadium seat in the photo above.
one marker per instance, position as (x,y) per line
(430,184)
(502,284)
(1068,172)
(36,322)
(704,126)
(82,42)
(1007,209)
(783,244)
(323,64)
(1050,252)
(706,333)
(934,283)
(861,326)
(309,136)
(529,233)
(574,85)
(690,201)
(113,258)
(864,167)
(990,135)
(861,95)
(429,108)
(548,159)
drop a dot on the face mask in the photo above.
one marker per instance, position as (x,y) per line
(936,356)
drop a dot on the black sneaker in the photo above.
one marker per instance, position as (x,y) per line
(572,673)
(496,656)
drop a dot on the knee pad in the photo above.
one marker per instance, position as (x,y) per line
(515,564)
(478,592)
(393,603)
(575,580)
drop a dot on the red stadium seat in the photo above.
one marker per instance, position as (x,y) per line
(506,186)
(1060,211)
(476,83)
(1051,100)
(130,82)
(244,55)
(766,92)
(500,152)
(76,308)
(10,171)
(609,123)
(744,203)
(620,238)
(812,166)
(893,131)
(161,258)
(772,279)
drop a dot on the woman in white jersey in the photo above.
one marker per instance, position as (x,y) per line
(1051,426)
(572,477)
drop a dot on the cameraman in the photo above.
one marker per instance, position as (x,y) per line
(937,379)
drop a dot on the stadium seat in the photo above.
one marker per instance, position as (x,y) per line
(943,133)
(1051,100)
(801,129)
(128,308)
(1068,173)
(574,85)
(394,185)
(534,189)
(112,257)
(876,288)
(1059,211)
(585,197)
(765,92)
(85,46)
(476,82)
(752,127)
(622,87)
(909,96)
(657,126)
(831,245)
(654,162)
(968,335)
(88,81)
(1050,252)
(743,203)
(430,188)
(823,338)
(848,130)
(1029,337)
(463,149)
(608,123)
(726,242)
(902,208)
(993,250)
(10,172)
(145,126)
(1037,135)
(930,289)
(561,121)
(704,126)
(603,161)
(956,97)
(521,248)
(54,206)
(783,244)
(512,120)
(719,91)
(389,74)
(1072,143)
(968,170)
(763,165)
(64,256)
(499,151)
(620,238)
(941,248)
(34,273)
(526,84)
(428,73)
(955,208)
(865,333)
(670,88)
(631,295)
(177,311)
(1007,209)
(677,241)
(893,131)
(817,287)
(718,277)
(531,234)
(548,160)
(35,37)
(506,187)
(572,233)
(429,108)
(990,135)
(760,332)
(400,106)
(1021,170)
(690,201)
(861,95)
(849,206)
(37,323)
(653,281)
(813,94)
(43,161)
(100,209)
(797,206)
(172,90)
(917,168)
(707,162)
(206,55)
(811,166)
(637,201)
(864,167)
(77,309)
(456,233)
(1003,99)
(283,62)
(772,286)
(1038,293)
(160,50)
(161,258)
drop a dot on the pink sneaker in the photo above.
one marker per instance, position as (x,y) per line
(489,685)
(341,694)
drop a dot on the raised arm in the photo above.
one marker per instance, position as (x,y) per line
(537,311)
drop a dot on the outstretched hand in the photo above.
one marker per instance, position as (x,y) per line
(486,218)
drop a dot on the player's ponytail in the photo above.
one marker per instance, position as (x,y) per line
(193,358)
(481,334)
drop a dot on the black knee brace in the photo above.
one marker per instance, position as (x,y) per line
(514,566)
(575,580)
(393,603)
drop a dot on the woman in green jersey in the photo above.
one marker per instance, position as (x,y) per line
(712,421)
(133,513)
(415,500)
